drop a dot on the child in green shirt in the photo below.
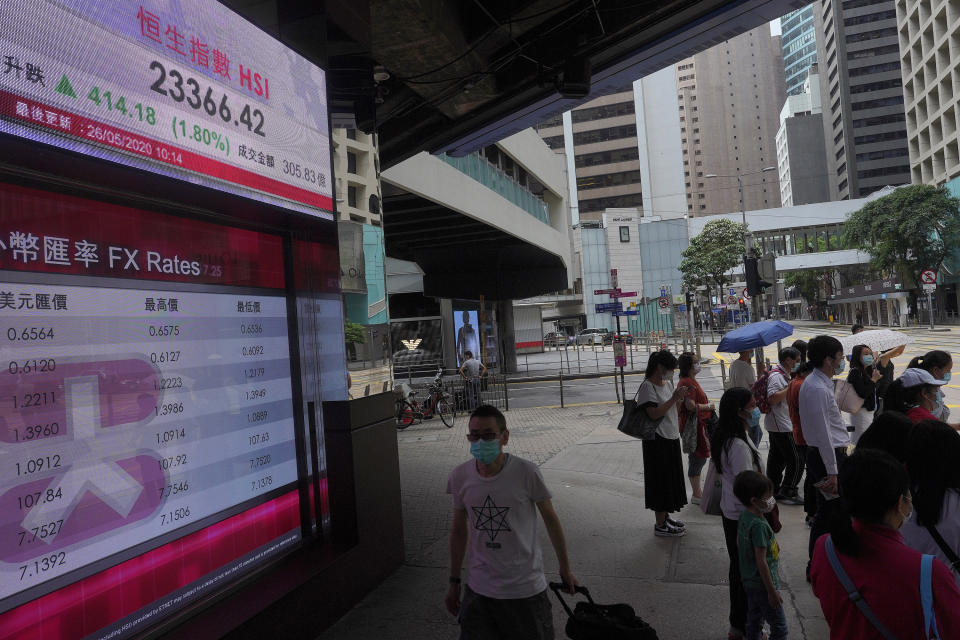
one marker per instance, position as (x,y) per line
(759,556)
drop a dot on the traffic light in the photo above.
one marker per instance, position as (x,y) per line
(755,285)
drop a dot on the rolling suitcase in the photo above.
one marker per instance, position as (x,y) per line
(591,621)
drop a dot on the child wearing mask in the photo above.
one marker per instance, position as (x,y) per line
(759,556)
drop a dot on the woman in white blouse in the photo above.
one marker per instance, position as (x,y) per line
(732,452)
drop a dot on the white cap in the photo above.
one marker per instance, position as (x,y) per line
(914,376)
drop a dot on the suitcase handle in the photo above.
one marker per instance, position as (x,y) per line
(557,587)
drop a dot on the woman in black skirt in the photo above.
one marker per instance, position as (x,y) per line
(665,491)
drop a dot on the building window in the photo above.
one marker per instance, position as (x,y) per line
(624,234)
(351,134)
(352,196)
(351,161)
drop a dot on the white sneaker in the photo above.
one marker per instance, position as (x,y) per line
(694,500)
(668,530)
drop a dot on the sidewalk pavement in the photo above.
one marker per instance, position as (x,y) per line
(595,474)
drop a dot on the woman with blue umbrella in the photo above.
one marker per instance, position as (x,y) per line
(742,341)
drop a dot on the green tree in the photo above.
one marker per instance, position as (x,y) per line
(712,254)
(354,333)
(909,230)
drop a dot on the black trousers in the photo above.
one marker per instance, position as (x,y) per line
(827,510)
(784,463)
(738,597)
(809,491)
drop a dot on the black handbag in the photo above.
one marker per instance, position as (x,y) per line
(635,422)
(592,621)
(711,426)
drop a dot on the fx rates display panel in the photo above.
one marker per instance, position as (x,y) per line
(127,414)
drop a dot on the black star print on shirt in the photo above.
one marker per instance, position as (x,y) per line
(491,518)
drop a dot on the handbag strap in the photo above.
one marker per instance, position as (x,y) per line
(852,591)
(947,551)
(926,598)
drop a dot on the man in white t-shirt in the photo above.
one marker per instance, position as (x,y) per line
(784,454)
(496,497)
(743,375)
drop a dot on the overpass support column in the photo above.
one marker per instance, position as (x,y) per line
(508,337)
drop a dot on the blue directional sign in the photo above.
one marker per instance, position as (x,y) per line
(607,307)
(629,312)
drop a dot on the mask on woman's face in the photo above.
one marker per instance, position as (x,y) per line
(867,360)
(946,376)
(909,514)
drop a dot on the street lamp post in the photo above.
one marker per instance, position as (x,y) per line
(755,303)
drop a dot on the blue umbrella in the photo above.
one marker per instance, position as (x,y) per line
(756,334)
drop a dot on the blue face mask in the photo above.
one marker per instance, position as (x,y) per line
(867,360)
(840,368)
(796,367)
(755,416)
(946,377)
(939,407)
(485,451)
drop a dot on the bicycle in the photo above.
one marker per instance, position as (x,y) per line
(438,403)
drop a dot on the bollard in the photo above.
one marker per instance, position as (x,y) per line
(597,359)
(616,389)
(506,394)
(631,357)
(723,373)
(561,389)
(578,364)
(526,360)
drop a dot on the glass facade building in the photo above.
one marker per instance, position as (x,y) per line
(799,47)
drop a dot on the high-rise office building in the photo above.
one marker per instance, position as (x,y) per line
(929,50)
(603,142)
(865,132)
(798,39)
(730,98)
(801,158)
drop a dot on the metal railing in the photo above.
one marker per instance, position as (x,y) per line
(465,394)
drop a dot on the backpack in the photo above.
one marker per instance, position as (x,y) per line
(760,390)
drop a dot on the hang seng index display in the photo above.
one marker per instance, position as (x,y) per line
(127,414)
(189,90)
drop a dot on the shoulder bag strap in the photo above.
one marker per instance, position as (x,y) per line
(852,591)
(636,396)
(947,551)
(926,598)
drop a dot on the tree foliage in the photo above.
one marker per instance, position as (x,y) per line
(712,254)
(909,230)
(354,333)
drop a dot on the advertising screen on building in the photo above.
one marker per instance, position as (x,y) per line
(189,90)
(146,413)
(468,334)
